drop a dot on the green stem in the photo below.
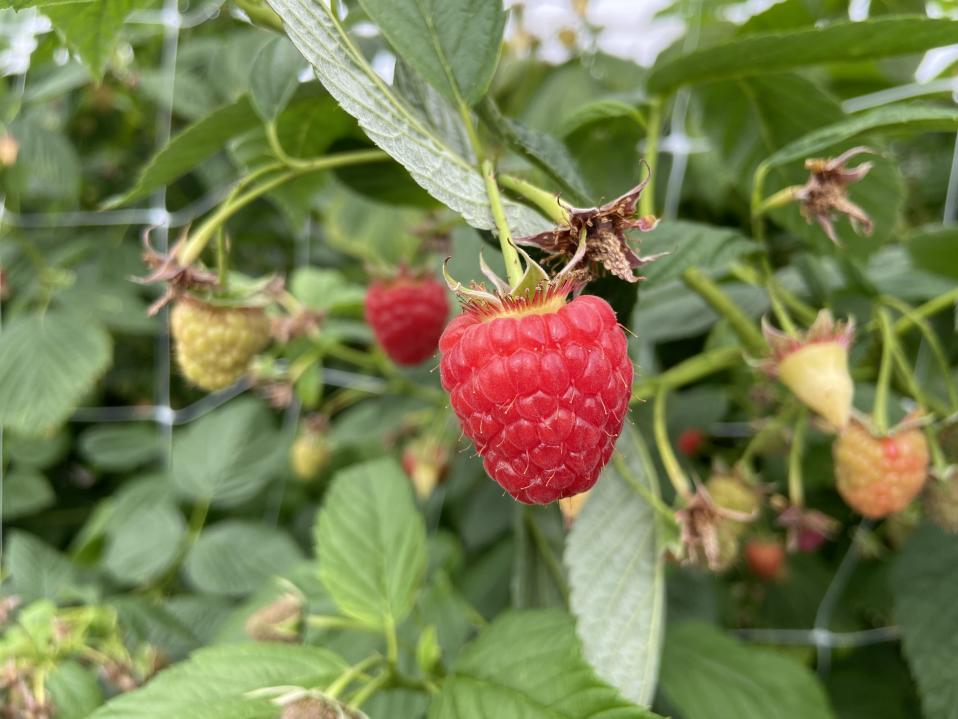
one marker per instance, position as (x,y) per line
(748,334)
(547,202)
(359,698)
(392,642)
(191,251)
(326,621)
(758,190)
(672,467)
(222,261)
(771,288)
(931,307)
(689,371)
(910,384)
(647,201)
(796,491)
(804,311)
(933,343)
(348,676)
(880,410)
(509,254)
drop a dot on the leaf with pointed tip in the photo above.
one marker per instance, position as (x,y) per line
(390,123)
(454,44)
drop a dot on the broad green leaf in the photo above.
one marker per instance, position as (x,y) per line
(543,150)
(38,451)
(74,690)
(892,119)
(935,249)
(215,681)
(47,166)
(708,675)
(926,609)
(832,43)
(388,120)
(690,244)
(143,544)
(236,557)
(229,455)
(454,44)
(538,577)
(616,572)
(672,311)
(528,665)
(117,447)
(91,29)
(143,619)
(371,542)
(274,77)
(325,290)
(599,110)
(25,492)
(191,146)
(38,571)
(371,231)
(432,109)
(47,362)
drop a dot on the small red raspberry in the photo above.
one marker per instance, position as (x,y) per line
(214,345)
(765,558)
(542,387)
(407,315)
(691,441)
(878,476)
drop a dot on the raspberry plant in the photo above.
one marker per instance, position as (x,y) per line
(380,358)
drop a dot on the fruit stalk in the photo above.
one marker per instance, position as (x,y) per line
(647,201)
(880,410)
(509,254)
(672,467)
(689,371)
(547,202)
(747,332)
(796,490)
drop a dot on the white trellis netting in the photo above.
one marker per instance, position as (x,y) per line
(15,63)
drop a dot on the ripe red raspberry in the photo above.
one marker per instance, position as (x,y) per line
(542,387)
(690,442)
(407,315)
(214,345)
(765,558)
(878,476)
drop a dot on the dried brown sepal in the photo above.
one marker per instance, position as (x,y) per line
(806,529)
(607,248)
(701,523)
(278,621)
(302,324)
(826,192)
(166,268)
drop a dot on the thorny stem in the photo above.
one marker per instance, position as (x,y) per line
(689,371)
(796,491)
(933,343)
(547,202)
(719,301)
(672,467)
(880,410)
(509,254)
(654,130)
(191,251)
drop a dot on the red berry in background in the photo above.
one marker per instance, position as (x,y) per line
(810,541)
(765,558)
(878,476)
(407,314)
(690,442)
(542,387)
